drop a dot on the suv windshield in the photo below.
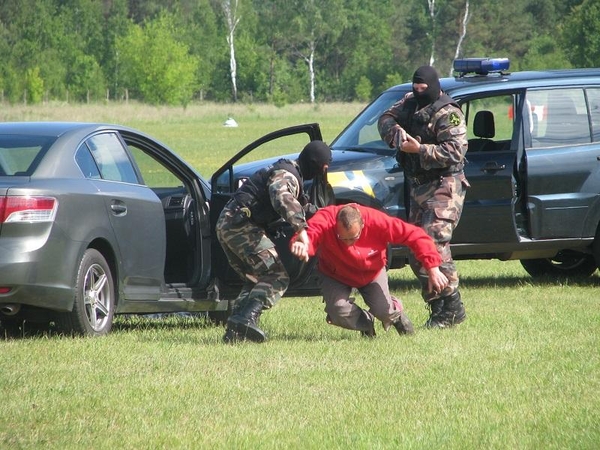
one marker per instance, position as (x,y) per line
(362,133)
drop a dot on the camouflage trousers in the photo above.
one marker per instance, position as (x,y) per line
(436,207)
(253,256)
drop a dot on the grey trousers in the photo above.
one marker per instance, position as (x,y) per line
(343,312)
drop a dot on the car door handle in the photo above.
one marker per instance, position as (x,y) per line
(492,166)
(118,208)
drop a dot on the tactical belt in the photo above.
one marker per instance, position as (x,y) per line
(433,176)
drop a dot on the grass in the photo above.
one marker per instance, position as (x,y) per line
(520,373)
(197,132)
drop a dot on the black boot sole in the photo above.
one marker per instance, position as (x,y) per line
(246,331)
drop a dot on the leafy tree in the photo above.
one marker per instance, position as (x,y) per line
(313,24)
(364,89)
(34,85)
(155,65)
(197,25)
(116,26)
(285,50)
(545,53)
(582,34)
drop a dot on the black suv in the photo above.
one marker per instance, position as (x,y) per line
(533,164)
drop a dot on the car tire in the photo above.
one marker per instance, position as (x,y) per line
(94,305)
(564,264)
(596,248)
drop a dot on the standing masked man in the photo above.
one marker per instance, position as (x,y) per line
(272,193)
(428,130)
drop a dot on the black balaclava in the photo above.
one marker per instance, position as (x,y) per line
(429,76)
(312,159)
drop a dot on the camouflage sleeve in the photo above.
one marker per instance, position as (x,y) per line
(388,124)
(284,191)
(451,136)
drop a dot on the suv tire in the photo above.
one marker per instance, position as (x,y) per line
(564,264)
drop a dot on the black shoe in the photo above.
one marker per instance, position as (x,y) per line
(232,337)
(403,325)
(436,318)
(454,310)
(245,322)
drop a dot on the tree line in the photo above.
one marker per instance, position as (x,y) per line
(279,51)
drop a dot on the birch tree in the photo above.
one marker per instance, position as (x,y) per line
(432,14)
(315,21)
(230,8)
(463,33)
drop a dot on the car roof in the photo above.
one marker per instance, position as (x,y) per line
(56,129)
(469,84)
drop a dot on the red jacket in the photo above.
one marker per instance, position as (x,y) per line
(357,265)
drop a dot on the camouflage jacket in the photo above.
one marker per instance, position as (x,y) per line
(441,129)
(285,191)
(272,193)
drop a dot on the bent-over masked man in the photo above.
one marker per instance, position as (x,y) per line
(270,194)
(428,130)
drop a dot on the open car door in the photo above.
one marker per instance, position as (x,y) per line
(233,173)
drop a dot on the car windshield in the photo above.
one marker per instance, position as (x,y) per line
(20,155)
(362,133)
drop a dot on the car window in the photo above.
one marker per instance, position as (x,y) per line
(154,174)
(559,117)
(111,158)
(490,122)
(20,155)
(363,131)
(86,163)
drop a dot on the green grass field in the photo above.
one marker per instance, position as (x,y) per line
(521,373)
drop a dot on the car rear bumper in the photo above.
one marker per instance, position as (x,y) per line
(56,298)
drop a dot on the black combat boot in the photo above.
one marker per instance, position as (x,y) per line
(453,310)
(436,317)
(244,323)
(231,336)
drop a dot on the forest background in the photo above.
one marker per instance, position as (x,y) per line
(276,51)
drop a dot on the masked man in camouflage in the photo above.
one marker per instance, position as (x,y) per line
(428,130)
(270,194)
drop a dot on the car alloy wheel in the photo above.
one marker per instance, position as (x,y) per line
(93,309)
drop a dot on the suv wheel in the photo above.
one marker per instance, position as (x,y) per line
(564,264)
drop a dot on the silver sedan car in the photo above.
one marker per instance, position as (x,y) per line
(98,220)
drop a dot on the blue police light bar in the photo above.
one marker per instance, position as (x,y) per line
(481,66)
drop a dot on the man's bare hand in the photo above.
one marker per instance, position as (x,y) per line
(410,144)
(300,250)
(437,280)
(300,245)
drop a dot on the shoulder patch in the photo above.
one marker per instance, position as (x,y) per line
(454,119)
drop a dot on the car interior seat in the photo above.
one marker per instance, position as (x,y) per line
(484,129)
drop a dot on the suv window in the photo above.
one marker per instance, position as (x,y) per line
(490,123)
(558,117)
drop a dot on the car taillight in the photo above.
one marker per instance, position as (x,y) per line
(27,209)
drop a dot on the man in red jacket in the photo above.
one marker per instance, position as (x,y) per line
(351,244)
